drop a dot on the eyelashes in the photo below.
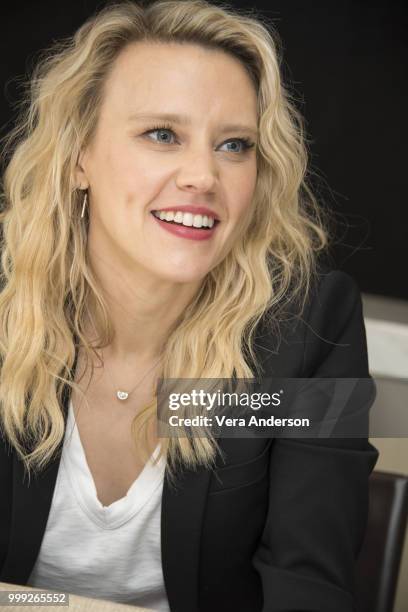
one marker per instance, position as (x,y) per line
(246,143)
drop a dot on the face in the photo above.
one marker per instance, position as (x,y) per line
(194,164)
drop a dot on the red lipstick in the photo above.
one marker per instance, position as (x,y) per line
(184,231)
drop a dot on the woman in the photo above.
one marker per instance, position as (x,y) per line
(151,122)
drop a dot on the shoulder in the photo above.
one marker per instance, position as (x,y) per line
(326,339)
(334,291)
(334,332)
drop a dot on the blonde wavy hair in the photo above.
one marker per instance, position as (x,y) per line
(48,285)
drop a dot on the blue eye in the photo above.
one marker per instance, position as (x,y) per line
(244,142)
(160,129)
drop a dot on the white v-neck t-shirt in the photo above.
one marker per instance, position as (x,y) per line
(107,552)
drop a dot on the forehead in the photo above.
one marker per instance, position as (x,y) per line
(177,77)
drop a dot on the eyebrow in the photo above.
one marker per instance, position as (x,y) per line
(185,120)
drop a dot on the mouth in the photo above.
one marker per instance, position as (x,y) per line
(187,219)
(182,225)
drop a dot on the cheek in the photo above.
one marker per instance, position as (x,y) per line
(241,196)
(126,170)
(143,168)
(109,175)
(142,182)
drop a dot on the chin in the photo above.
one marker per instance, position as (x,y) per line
(184,274)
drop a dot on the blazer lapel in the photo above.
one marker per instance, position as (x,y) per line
(30,509)
(182,516)
(31,503)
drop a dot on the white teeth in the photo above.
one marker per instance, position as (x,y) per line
(187,219)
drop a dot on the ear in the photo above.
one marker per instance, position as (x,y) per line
(81,178)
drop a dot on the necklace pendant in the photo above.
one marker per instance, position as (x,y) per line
(122,395)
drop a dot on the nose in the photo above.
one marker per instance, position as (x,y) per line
(198,172)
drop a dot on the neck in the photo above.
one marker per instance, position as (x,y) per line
(142,320)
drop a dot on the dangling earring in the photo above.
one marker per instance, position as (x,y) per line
(84,204)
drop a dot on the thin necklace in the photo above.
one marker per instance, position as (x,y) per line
(120,393)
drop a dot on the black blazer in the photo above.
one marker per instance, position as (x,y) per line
(278,526)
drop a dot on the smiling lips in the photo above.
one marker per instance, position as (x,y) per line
(185,218)
(187,225)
